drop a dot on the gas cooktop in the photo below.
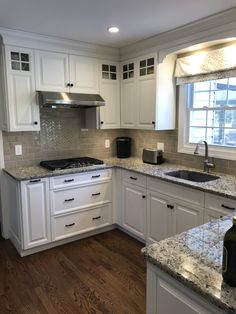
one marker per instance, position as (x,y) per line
(70,163)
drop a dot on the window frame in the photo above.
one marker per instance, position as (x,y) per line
(184,146)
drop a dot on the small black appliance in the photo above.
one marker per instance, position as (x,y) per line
(123,147)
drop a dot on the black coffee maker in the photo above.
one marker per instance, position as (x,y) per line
(123,147)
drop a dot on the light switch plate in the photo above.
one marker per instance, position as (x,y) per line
(18,150)
(107,143)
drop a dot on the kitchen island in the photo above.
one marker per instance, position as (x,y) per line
(184,272)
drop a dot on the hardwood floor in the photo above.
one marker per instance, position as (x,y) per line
(101,274)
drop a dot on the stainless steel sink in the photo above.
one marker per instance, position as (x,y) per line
(192,175)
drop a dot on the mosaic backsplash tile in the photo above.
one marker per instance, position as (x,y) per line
(61,137)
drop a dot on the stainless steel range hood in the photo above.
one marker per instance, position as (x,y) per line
(69,100)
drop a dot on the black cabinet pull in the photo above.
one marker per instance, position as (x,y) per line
(95,218)
(70,225)
(71,85)
(96,176)
(170,206)
(68,84)
(96,194)
(34,181)
(143,196)
(35,122)
(133,178)
(101,122)
(153,122)
(227,207)
(70,199)
(69,180)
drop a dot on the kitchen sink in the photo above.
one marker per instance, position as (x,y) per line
(192,175)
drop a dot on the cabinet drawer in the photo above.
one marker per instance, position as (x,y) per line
(134,178)
(182,193)
(219,203)
(79,178)
(79,197)
(73,224)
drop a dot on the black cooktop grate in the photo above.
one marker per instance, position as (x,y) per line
(70,163)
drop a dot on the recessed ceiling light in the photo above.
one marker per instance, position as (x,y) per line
(113,29)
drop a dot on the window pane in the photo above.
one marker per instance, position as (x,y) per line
(201,100)
(201,86)
(198,118)
(105,67)
(131,74)
(142,71)
(143,63)
(150,61)
(105,75)
(24,57)
(215,118)
(230,137)
(131,66)
(125,68)
(113,76)
(196,134)
(125,76)
(230,118)
(112,68)
(15,55)
(150,70)
(15,65)
(24,66)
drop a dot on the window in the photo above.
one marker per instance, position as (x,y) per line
(207,111)
(212,112)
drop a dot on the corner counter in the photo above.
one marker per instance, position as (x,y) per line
(192,259)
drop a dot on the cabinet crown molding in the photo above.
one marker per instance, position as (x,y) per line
(43,42)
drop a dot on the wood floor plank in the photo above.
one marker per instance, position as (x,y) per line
(101,274)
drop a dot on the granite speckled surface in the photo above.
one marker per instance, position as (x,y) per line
(224,186)
(194,258)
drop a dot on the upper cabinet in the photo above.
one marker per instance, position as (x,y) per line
(66,73)
(110,92)
(147,94)
(19,111)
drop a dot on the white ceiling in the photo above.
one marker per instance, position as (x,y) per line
(87,20)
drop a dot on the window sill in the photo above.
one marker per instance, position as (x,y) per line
(228,153)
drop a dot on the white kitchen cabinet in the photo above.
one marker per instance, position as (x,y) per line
(66,73)
(148,93)
(20,111)
(217,207)
(165,295)
(36,227)
(134,209)
(134,205)
(171,209)
(128,95)
(110,92)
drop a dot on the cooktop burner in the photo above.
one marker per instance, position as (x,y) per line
(70,163)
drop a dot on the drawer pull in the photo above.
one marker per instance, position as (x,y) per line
(170,206)
(96,176)
(69,180)
(70,199)
(34,181)
(133,178)
(70,225)
(143,196)
(227,207)
(95,218)
(96,194)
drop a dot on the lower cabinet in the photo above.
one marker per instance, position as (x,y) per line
(35,213)
(166,295)
(217,207)
(134,209)
(72,224)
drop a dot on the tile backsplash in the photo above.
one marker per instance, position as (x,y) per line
(61,137)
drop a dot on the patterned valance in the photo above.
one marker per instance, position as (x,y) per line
(206,65)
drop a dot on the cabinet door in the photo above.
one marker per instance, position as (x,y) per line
(134,209)
(128,96)
(186,217)
(217,207)
(52,71)
(159,217)
(84,75)
(35,212)
(22,109)
(146,93)
(110,91)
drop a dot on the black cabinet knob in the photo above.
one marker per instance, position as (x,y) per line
(68,84)
(35,122)
(143,196)
(71,85)
(153,122)
(102,122)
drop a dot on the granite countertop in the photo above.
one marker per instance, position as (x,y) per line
(194,258)
(224,186)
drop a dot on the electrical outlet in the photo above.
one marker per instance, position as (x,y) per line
(160,146)
(18,150)
(107,143)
